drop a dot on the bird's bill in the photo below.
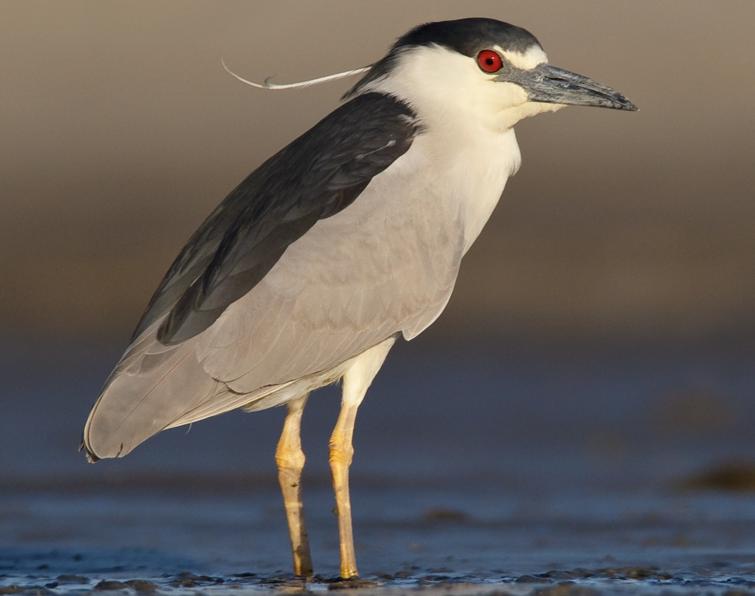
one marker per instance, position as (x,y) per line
(550,84)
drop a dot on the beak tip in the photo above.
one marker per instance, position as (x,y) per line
(618,102)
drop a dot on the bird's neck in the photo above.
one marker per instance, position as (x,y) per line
(467,151)
(468,172)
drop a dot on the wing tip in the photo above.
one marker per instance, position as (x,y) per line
(90,455)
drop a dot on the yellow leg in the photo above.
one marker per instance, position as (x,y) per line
(290,460)
(356,381)
(341,454)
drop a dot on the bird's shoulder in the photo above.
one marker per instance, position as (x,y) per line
(314,177)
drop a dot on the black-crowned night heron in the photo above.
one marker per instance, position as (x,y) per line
(345,240)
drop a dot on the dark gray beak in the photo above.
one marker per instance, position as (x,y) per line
(550,84)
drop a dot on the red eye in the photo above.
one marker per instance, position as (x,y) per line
(489,61)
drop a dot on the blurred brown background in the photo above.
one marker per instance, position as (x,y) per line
(592,372)
(120,131)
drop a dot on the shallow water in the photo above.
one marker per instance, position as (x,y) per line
(476,472)
(407,536)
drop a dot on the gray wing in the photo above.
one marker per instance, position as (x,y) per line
(314,177)
(385,265)
(380,265)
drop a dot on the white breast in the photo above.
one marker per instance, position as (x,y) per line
(479,179)
(465,173)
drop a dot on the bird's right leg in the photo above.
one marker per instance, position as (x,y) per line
(356,381)
(289,458)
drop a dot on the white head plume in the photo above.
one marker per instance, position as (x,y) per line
(268,84)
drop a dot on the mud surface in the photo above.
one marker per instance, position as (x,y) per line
(493,542)
(475,473)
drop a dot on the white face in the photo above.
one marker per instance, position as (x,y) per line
(449,89)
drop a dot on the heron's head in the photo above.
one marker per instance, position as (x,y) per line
(480,71)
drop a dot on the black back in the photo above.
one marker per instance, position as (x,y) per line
(314,177)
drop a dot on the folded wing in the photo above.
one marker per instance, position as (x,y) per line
(318,255)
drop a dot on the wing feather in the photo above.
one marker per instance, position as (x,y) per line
(384,265)
(289,278)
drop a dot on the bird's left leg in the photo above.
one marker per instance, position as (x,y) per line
(290,460)
(356,381)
